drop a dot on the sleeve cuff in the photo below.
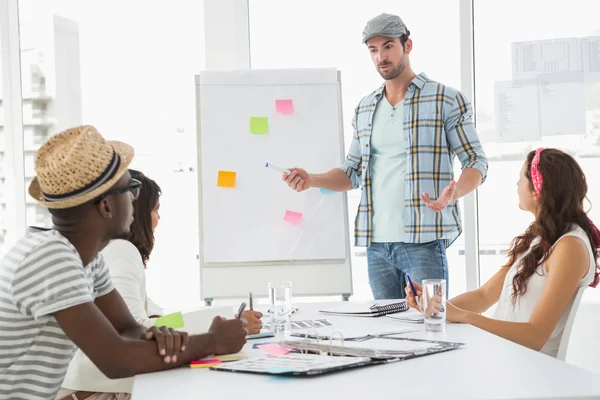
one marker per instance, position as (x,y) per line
(62,305)
(479,166)
(355,179)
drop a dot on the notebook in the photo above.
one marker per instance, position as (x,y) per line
(294,364)
(362,310)
(381,348)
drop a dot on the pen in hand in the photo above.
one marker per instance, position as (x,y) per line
(241,310)
(412,288)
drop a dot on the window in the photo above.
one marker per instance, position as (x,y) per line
(331,37)
(537,85)
(134,85)
(4,189)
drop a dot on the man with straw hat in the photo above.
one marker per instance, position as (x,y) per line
(56,292)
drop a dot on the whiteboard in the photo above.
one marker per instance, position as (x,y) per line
(246,224)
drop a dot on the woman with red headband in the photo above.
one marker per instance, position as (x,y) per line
(547,264)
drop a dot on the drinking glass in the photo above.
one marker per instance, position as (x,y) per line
(280,308)
(434,304)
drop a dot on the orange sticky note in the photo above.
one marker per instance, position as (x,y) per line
(284,107)
(226,179)
(293,217)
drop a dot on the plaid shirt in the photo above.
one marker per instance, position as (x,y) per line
(437,127)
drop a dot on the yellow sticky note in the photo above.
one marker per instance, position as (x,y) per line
(232,357)
(259,125)
(226,179)
(174,321)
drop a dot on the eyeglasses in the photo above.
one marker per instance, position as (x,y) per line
(133,187)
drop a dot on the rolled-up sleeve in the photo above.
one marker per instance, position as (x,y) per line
(462,136)
(352,164)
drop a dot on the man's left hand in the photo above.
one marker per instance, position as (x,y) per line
(447,197)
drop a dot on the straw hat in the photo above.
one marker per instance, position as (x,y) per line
(76,166)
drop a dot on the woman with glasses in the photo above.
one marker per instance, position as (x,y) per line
(127,259)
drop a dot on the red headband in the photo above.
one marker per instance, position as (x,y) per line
(538,180)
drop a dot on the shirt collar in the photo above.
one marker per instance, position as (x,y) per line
(418,81)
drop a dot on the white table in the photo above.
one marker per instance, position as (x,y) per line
(488,367)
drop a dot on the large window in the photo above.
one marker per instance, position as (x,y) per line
(126,67)
(537,70)
(5,196)
(331,37)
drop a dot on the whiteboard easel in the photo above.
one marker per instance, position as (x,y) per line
(309,277)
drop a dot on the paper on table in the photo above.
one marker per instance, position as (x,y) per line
(354,333)
(410,316)
(284,107)
(391,345)
(199,321)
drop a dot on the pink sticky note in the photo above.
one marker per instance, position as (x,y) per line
(292,217)
(273,349)
(212,361)
(284,107)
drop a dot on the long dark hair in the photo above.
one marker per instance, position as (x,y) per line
(141,234)
(561,200)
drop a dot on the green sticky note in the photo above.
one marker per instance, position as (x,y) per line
(174,321)
(259,125)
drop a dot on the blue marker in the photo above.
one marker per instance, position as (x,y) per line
(278,169)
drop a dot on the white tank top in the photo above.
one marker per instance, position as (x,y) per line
(523,308)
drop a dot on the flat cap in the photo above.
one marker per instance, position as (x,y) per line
(384,25)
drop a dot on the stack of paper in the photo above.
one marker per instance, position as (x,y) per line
(410,316)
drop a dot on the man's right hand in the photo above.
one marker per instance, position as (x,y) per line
(298,179)
(229,334)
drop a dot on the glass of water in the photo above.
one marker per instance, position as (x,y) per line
(280,308)
(434,304)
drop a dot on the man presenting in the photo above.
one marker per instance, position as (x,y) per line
(406,136)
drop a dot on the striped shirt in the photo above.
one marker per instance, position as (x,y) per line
(42,274)
(437,127)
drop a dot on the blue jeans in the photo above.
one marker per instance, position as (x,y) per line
(389,263)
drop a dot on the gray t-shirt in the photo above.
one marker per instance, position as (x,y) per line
(42,274)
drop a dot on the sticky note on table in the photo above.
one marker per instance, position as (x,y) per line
(325,191)
(259,125)
(174,320)
(212,361)
(293,217)
(273,349)
(231,357)
(284,107)
(226,179)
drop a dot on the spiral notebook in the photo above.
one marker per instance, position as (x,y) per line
(362,310)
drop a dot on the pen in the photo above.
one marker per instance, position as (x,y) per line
(241,310)
(250,301)
(412,287)
(278,169)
